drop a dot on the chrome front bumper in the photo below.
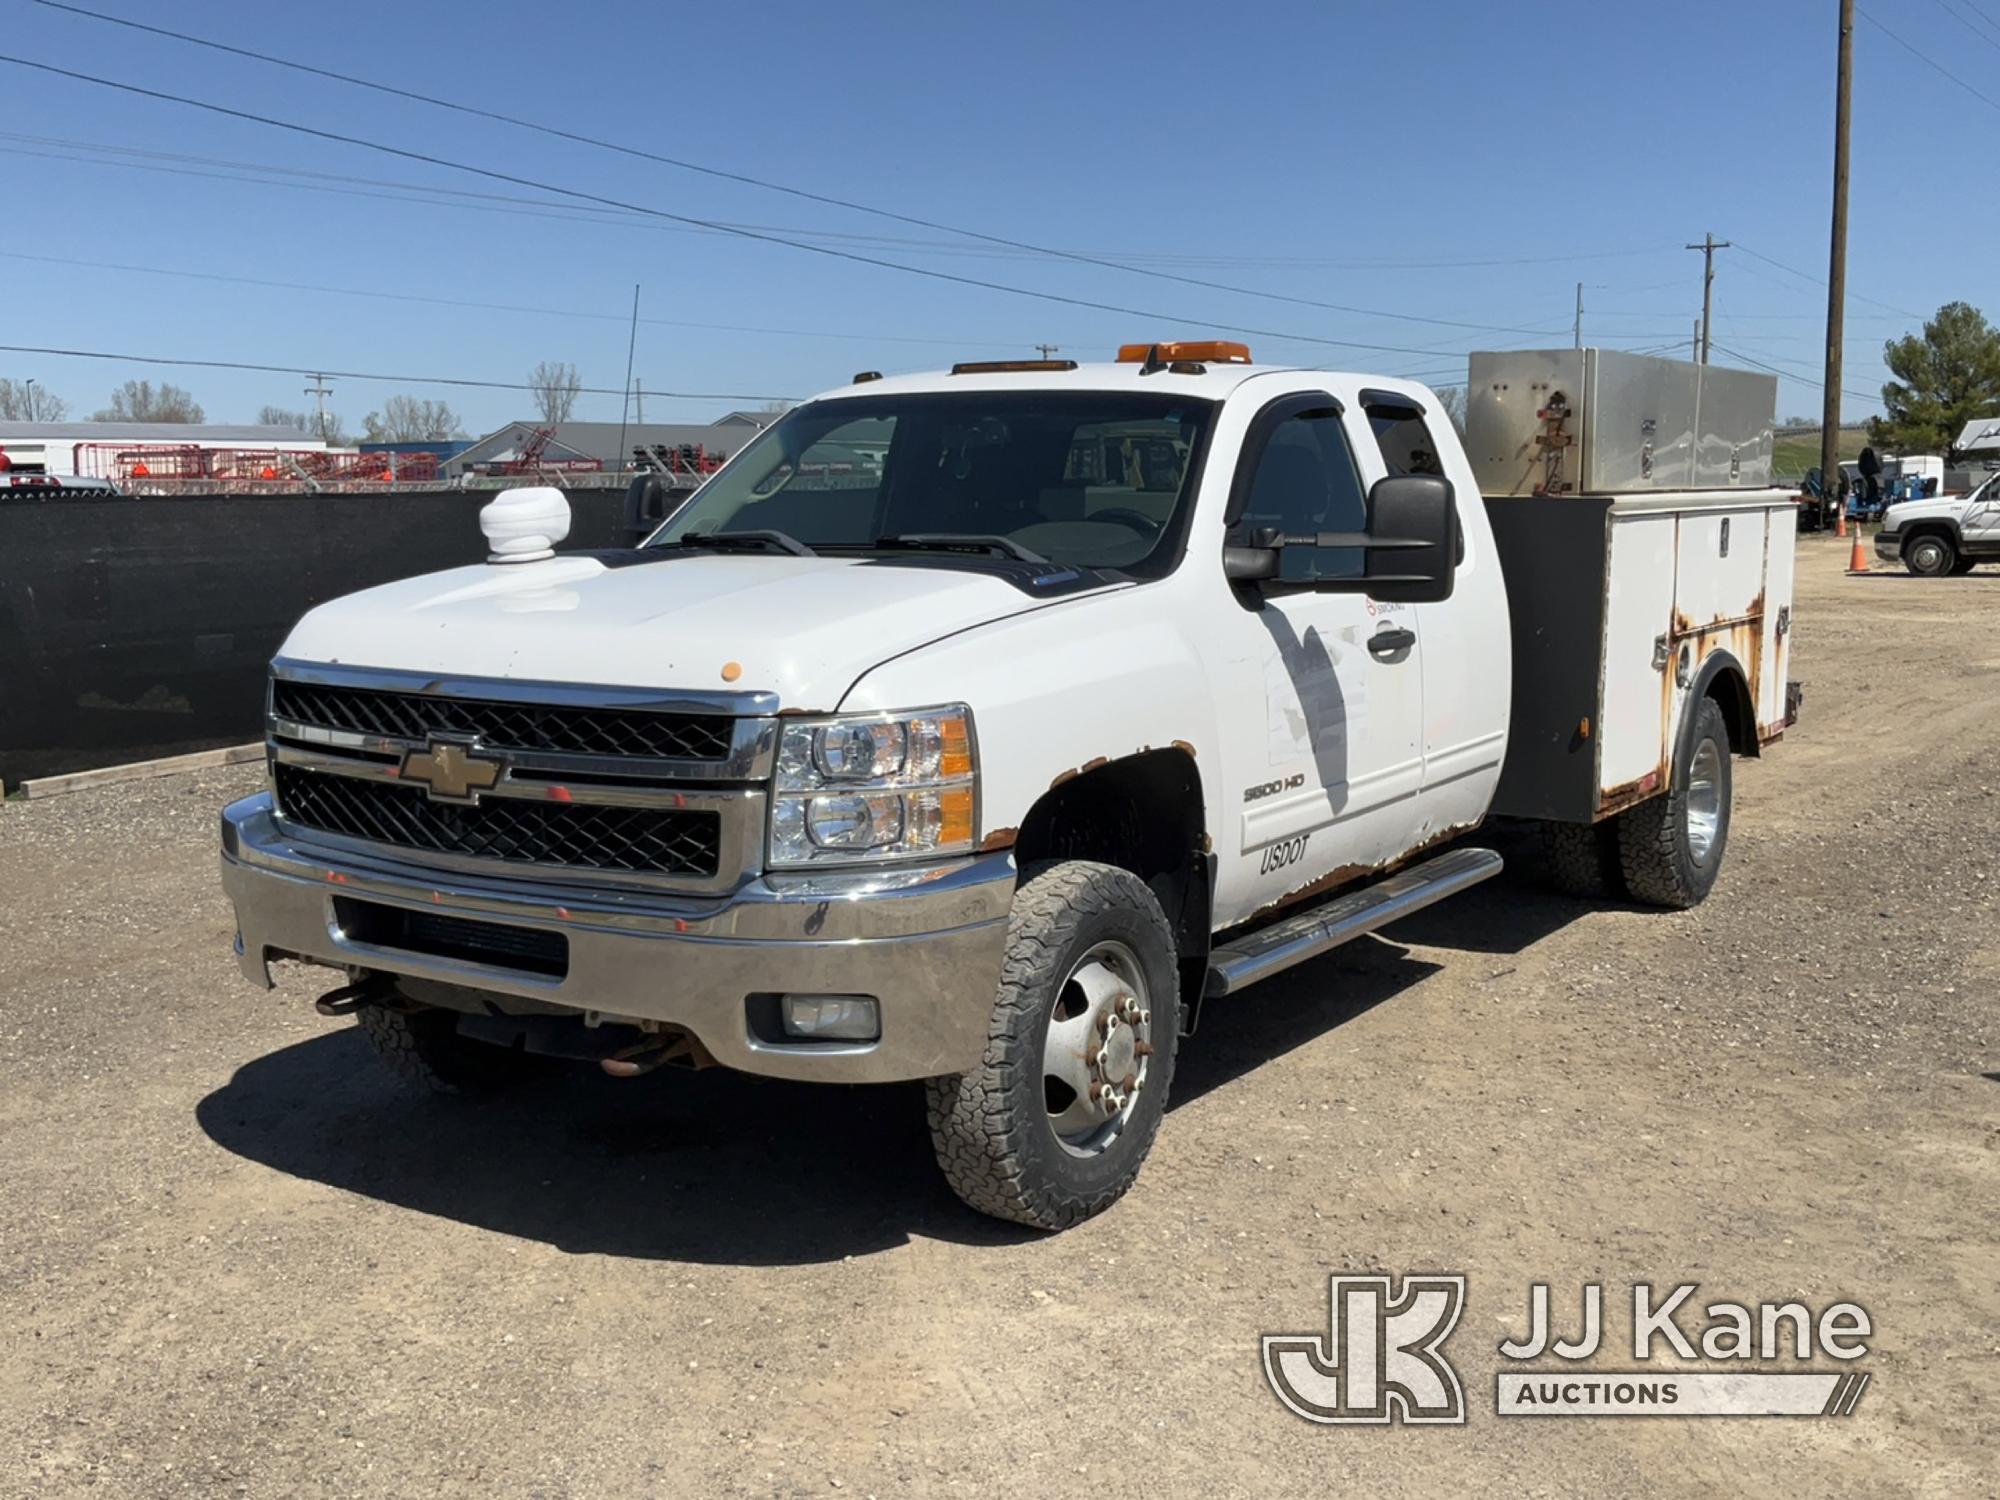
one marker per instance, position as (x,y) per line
(1889,546)
(925,943)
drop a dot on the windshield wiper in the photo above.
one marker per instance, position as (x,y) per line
(725,540)
(953,541)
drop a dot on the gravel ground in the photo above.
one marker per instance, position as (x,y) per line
(235,1260)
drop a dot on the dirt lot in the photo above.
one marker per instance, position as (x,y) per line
(235,1260)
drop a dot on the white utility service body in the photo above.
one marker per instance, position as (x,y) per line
(1178,670)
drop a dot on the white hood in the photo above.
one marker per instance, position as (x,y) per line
(1917,510)
(804,628)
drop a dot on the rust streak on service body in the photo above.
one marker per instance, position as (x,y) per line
(999,838)
(1628,793)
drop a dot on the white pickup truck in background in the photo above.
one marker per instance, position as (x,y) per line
(1943,535)
(979,727)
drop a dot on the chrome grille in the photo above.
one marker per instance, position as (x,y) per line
(501,725)
(582,835)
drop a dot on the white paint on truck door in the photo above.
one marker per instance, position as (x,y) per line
(1468,670)
(1981,527)
(1325,767)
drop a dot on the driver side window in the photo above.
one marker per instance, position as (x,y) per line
(1305,481)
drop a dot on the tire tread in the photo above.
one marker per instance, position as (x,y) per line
(979,1128)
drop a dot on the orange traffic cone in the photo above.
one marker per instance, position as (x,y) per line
(1857,560)
(1840,521)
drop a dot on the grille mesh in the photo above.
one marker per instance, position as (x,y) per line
(505,726)
(640,840)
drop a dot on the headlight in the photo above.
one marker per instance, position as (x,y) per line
(868,787)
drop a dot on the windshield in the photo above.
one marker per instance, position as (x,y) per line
(1084,479)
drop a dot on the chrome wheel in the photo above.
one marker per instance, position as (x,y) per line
(1094,1060)
(1704,800)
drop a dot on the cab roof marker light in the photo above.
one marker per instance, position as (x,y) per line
(1009,366)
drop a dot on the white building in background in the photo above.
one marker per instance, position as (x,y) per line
(88,447)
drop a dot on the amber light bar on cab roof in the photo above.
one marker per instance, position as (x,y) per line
(1216,351)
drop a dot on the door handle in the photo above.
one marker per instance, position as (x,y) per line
(1384,643)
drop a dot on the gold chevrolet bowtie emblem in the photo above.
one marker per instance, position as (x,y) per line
(450,771)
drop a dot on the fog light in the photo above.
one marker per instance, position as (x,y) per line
(845,1018)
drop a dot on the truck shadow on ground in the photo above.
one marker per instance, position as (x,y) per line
(719,1167)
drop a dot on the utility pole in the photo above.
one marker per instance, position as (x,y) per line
(1696,356)
(1048,350)
(320,390)
(1708,246)
(1579,315)
(1836,270)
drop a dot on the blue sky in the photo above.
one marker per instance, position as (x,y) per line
(1469,167)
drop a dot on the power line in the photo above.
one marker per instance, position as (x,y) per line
(968,341)
(747,179)
(507,307)
(1959,16)
(1928,61)
(1820,282)
(93,153)
(320,372)
(1792,374)
(826,250)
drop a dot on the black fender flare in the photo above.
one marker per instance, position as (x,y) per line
(1739,709)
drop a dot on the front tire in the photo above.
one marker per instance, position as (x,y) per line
(1054,1124)
(1930,556)
(1671,847)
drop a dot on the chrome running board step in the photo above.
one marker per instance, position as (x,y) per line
(1272,950)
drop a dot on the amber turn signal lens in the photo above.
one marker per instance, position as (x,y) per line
(954,816)
(956,757)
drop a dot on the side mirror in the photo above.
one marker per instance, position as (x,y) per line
(1413,540)
(1412,546)
(646,506)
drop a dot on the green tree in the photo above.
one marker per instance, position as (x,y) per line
(1943,380)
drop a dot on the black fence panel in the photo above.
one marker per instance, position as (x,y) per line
(138,627)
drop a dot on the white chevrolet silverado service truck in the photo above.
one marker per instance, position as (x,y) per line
(980,727)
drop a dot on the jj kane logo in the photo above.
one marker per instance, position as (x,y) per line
(1382,1357)
(1379,1361)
